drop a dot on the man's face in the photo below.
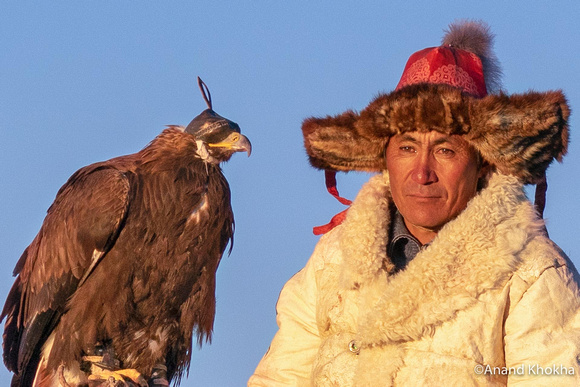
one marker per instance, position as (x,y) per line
(433,176)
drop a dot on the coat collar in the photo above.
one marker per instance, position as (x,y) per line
(473,253)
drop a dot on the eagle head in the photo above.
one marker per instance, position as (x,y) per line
(218,135)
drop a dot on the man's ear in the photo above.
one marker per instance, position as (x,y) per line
(484,168)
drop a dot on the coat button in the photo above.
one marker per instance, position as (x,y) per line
(353,347)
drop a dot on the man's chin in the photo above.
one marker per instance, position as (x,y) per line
(429,221)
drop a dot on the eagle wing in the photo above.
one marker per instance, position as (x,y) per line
(79,229)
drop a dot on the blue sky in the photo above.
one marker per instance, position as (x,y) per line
(82,82)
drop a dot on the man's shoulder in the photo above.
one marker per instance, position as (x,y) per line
(542,254)
(327,250)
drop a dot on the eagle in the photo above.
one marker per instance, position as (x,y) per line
(122,273)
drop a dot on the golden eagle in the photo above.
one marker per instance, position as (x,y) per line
(122,271)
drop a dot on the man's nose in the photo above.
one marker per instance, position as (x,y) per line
(423,171)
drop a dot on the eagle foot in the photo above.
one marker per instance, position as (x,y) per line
(101,373)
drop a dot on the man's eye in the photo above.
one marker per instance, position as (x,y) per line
(446,151)
(407,148)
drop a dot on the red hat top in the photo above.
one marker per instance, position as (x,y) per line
(448,65)
(464,60)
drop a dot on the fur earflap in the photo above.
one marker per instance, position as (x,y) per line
(476,37)
(334,143)
(519,134)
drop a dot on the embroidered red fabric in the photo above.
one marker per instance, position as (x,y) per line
(445,65)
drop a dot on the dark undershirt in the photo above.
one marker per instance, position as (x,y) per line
(403,246)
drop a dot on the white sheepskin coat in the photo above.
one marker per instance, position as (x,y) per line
(490,302)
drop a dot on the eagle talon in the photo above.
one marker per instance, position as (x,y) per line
(114,377)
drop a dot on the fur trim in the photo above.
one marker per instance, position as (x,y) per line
(334,143)
(371,209)
(474,253)
(476,37)
(519,134)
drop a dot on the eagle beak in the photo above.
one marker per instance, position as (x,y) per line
(236,142)
(243,144)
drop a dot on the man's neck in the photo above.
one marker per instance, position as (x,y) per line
(423,235)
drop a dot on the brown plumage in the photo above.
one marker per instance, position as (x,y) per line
(126,259)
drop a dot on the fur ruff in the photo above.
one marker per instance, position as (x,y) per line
(519,134)
(471,254)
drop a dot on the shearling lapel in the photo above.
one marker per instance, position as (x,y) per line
(473,253)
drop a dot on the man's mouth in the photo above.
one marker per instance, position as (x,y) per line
(423,197)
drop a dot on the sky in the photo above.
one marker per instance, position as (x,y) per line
(82,82)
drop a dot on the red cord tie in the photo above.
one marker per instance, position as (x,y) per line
(330,178)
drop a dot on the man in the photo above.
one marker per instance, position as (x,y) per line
(441,273)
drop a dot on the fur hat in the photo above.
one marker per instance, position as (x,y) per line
(446,89)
